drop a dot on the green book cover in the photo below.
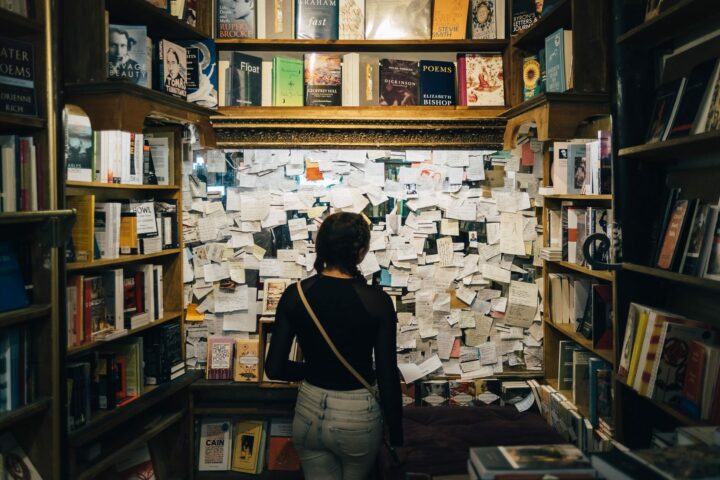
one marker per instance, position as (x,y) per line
(288,82)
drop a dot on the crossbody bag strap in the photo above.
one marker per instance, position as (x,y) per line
(330,343)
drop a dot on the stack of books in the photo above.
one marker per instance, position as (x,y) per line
(551,254)
(529,461)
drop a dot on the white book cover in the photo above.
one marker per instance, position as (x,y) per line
(350,80)
(352,20)
(592,176)
(149,290)
(215,445)
(223,66)
(572,219)
(560,168)
(266,95)
(115,297)
(576,168)
(78,147)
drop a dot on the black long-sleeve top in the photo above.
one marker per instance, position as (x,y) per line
(360,320)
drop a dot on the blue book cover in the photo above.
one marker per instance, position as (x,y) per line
(317,19)
(595,364)
(17,80)
(12,288)
(555,62)
(437,83)
(202,85)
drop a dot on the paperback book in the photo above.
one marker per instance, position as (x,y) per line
(449,19)
(172,69)
(323,79)
(352,20)
(397,19)
(127,55)
(399,81)
(202,85)
(317,19)
(287,84)
(244,80)
(487,19)
(17,82)
(666,104)
(437,83)
(480,79)
(695,87)
(235,19)
(279,19)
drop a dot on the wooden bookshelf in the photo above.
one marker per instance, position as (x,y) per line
(19,123)
(582,198)
(674,277)
(88,186)
(124,259)
(466,45)
(39,216)
(582,409)
(13,317)
(599,274)
(224,410)
(677,415)
(266,475)
(674,149)
(14,417)
(158,21)
(560,16)
(568,331)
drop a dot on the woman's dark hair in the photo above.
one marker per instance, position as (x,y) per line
(341,238)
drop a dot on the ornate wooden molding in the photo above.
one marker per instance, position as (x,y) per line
(359,127)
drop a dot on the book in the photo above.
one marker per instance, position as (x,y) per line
(78,146)
(215,444)
(698,236)
(461,393)
(136,465)
(220,358)
(434,393)
(618,464)
(189,15)
(17,83)
(399,81)
(694,373)
(244,80)
(16,460)
(247,360)
(480,79)
(558,61)
(317,19)
(84,227)
(234,19)
(691,461)
(323,79)
(127,55)
(487,19)
(437,83)
(667,99)
(675,233)
(12,292)
(450,19)
(558,459)
(526,12)
(203,89)
(708,117)
(279,19)
(287,85)
(712,268)
(282,454)
(688,108)
(172,69)
(397,19)
(532,77)
(352,20)
(247,446)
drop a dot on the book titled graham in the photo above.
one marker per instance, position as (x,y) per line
(323,79)
(398,82)
(317,19)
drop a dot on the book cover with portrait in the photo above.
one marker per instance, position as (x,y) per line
(399,82)
(127,54)
(172,69)
(235,19)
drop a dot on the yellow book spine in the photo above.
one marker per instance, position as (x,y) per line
(637,346)
(246,446)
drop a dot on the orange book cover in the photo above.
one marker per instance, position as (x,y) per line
(672,235)
(450,18)
(282,454)
(695,373)
(247,363)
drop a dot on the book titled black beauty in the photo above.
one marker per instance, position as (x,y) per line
(17,77)
(323,79)
(693,94)
(437,83)
(245,80)
(399,81)
(317,19)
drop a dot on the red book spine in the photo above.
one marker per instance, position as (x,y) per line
(139,292)
(24,174)
(695,373)
(462,81)
(87,311)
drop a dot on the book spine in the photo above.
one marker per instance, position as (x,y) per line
(462,81)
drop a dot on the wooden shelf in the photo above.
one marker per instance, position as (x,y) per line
(556,115)
(10,121)
(102,263)
(683,420)
(327,116)
(85,347)
(120,186)
(678,19)
(8,419)
(105,421)
(160,24)
(362,45)
(584,198)
(266,475)
(21,315)
(674,149)
(600,274)
(533,38)
(568,331)
(699,282)
(155,426)
(15,25)
(34,216)
(582,410)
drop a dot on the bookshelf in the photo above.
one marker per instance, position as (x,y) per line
(159,416)
(649,170)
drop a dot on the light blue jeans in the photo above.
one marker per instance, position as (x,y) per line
(337,433)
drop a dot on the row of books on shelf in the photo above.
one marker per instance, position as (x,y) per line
(18,174)
(328,79)
(585,304)
(18,367)
(686,238)
(464,393)
(105,306)
(109,230)
(247,446)
(550,69)
(570,226)
(672,360)
(17,82)
(582,166)
(121,372)
(361,19)
(185,10)
(687,105)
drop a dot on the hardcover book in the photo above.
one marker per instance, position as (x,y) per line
(202,84)
(398,82)
(480,79)
(287,85)
(487,19)
(172,63)
(698,234)
(352,20)
(282,454)
(713,263)
(709,114)
(246,360)
(244,80)
(220,358)
(215,445)
(317,19)
(526,12)
(397,19)
(279,19)
(78,146)
(530,459)
(449,19)
(532,77)
(235,19)
(323,79)
(434,393)
(127,55)
(695,87)
(17,81)
(437,83)
(558,61)
(248,446)
(666,104)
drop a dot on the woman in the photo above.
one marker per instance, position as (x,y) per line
(337,427)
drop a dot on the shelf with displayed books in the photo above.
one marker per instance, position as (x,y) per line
(569,331)
(266,475)
(712,285)
(462,45)
(161,21)
(678,416)
(556,15)
(600,274)
(76,186)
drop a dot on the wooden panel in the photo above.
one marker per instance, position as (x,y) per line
(590,26)
(84,52)
(205,17)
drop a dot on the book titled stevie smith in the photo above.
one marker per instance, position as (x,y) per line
(17,74)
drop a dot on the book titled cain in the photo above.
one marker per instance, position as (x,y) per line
(323,79)
(317,19)
(17,77)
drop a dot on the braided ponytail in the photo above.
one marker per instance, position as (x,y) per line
(341,239)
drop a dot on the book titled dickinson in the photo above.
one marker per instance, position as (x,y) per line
(437,83)
(235,19)
(245,80)
(323,79)
(398,82)
(17,77)
(317,19)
